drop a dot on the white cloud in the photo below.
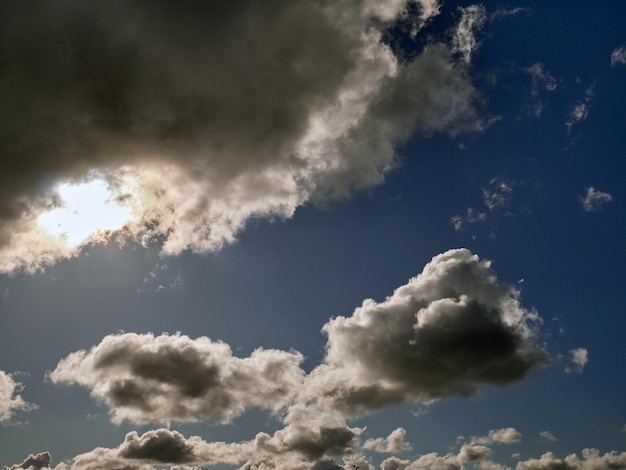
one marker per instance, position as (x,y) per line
(579,357)
(428,340)
(580,111)
(541,81)
(505,435)
(394,443)
(591,460)
(10,399)
(502,13)
(618,56)
(464,40)
(594,200)
(143,378)
(547,436)
(196,141)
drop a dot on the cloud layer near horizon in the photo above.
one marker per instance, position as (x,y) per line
(249,110)
(448,332)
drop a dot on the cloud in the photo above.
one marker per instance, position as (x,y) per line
(447,332)
(464,40)
(578,358)
(541,81)
(618,56)
(497,198)
(500,436)
(143,378)
(10,399)
(39,461)
(502,13)
(580,110)
(591,460)
(248,110)
(594,199)
(547,436)
(394,443)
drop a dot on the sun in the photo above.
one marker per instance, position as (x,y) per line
(87,208)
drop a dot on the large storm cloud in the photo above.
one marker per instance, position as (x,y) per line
(249,109)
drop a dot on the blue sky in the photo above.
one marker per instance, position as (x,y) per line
(376,234)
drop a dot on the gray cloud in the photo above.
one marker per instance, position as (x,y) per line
(446,332)
(10,399)
(143,378)
(542,81)
(594,200)
(500,436)
(39,461)
(248,110)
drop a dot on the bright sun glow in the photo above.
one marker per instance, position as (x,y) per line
(87,208)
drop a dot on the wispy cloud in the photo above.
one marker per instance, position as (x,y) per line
(594,200)
(618,56)
(547,436)
(580,110)
(542,81)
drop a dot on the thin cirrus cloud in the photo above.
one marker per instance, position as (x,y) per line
(272,106)
(593,200)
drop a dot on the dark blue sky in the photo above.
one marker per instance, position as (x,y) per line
(520,179)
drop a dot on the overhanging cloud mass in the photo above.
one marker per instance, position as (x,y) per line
(250,109)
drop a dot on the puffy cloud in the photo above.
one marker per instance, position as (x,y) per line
(10,399)
(166,378)
(500,436)
(447,332)
(247,110)
(39,461)
(578,358)
(592,460)
(394,443)
(594,199)
(618,56)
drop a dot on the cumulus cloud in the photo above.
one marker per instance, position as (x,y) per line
(39,461)
(394,443)
(579,357)
(248,110)
(500,436)
(143,378)
(447,332)
(594,200)
(591,460)
(10,399)
(618,56)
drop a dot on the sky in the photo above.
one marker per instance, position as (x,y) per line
(312,235)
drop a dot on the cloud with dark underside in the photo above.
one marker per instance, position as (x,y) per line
(448,332)
(249,110)
(143,378)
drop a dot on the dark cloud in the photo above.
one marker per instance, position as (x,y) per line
(39,461)
(201,115)
(446,332)
(161,445)
(144,378)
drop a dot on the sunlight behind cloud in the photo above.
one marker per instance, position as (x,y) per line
(87,208)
